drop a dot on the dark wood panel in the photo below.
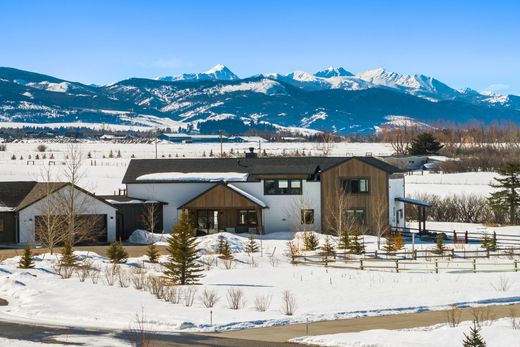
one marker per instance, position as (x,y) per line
(220,197)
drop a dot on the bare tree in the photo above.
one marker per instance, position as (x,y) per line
(337,220)
(299,212)
(326,143)
(150,216)
(380,217)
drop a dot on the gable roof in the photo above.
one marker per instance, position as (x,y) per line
(253,166)
(233,189)
(39,191)
(12,193)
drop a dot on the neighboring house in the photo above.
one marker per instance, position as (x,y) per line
(187,138)
(268,194)
(22,204)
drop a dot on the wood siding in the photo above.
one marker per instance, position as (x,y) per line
(220,197)
(331,186)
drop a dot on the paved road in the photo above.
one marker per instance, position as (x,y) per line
(48,334)
(397,321)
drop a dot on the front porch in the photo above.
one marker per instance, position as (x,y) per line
(225,207)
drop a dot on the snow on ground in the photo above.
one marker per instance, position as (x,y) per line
(448,227)
(498,333)
(449,184)
(40,296)
(67,341)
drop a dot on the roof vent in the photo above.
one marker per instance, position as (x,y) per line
(251,154)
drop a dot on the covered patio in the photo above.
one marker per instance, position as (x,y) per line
(225,207)
(421,211)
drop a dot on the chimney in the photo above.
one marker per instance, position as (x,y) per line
(251,153)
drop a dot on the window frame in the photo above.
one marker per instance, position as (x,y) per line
(289,190)
(304,220)
(247,212)
(346,185)
(355,210)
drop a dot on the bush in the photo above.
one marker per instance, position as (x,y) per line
(3,147)
(262,302)
(310,241)
(117,253)
(27,259)
(41,148)
(209,298)
(288,303)
(235,298)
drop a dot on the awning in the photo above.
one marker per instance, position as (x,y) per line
(414,202)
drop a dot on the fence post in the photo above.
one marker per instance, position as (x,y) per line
(452,253)
(375,254)
(516,265)
(397,265)
(454,236)
(474,265)
(361,264)
(466,237)
(487,252)
(436,266)
(464,253)
(414,254)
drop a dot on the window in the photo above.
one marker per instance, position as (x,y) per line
(2,227)
(307,216)
(357,214)
(247,217)
(355,185)
(282,187)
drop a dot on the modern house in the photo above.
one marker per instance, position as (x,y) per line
(269,194)
(192,138)
(25,204)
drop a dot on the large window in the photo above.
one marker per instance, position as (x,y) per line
(358,215)
(307,216)
(355,185)
(283,187)
(247,217)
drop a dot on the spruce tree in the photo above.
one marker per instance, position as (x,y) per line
(251,245)
(439,244)
(310,241)
(182,267)
(507,198)
(220,244)
(328,248)
(424,143)
(357,245)
(474,339)
(226,251)
(344,240)
(117,253)
(153,253)
(27,259)
(67,256)
(390,246)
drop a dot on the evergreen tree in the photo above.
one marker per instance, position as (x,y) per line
(424,143)
(474,339)
(119,153)
(485,241)
(507,198)
(211,153)
(251,245)
(220,244)
(27,259)
(344,239)
(89,155)
(310,241)
(226,251)
(439,244)
(357,245)
(117,253)
(153,253)
(182,267)
(328,248)
(13,157)
(67,255)
(111,154)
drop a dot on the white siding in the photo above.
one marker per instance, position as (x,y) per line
(91,206)
(396,190)
(283,213)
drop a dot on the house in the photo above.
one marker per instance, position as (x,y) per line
(268,194)
(24,204)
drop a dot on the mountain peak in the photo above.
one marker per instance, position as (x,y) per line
(217,68)
(218,72)
(331,71)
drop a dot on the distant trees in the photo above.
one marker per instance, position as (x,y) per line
(423,144)
(507,197)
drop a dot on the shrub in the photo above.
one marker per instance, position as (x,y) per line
(27,259)
(235,298)
(117,253)
(310,241)
(262,302)
(288,303)
(41,148)
(209,298)
(153,253)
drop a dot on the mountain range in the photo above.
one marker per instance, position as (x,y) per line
(333,99)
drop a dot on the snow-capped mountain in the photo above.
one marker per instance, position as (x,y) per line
(332,99)
(218,72)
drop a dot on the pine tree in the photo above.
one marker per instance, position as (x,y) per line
(111,154)
(220,244)
(226,251)
(211,153)
(117,253)
(251,245)
(310,241)
(485,242)
(357,245)
(153,253)
(118,153)
(344,239)
(328,248)
(474,339)
(182,267)
(439,244)
(27,259)
(507,198)
(89,155)
(423,144)
(13,157)
(67,256)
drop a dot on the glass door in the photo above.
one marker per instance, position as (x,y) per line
(207,221)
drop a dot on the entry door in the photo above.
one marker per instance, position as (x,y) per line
(207,220)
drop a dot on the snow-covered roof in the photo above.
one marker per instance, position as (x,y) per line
(195,176)
(248,196)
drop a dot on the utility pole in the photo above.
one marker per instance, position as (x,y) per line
(156,138)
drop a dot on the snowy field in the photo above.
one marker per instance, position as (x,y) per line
(468,183)
(41,296)
(497,333)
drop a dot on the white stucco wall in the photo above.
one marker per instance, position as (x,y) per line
(396,190)
(280,216)
(90,205)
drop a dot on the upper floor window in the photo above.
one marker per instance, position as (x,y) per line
(355,185)
(357,215)
(282,187)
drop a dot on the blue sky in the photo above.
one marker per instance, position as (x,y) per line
(463,43)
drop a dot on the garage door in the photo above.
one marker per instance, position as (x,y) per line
(94,224)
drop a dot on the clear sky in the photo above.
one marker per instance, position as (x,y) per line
(463,43)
